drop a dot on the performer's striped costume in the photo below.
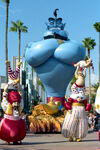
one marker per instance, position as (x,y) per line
(75,124)
(13,74)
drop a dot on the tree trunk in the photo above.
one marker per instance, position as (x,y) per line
(19,45)
(6,40)
(32,94)
(99,58)
(19,51)
(89,79)
(37,85)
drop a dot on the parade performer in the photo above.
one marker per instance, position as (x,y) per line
(12,127)
(75,124)
(97,107)
(84,64)
(13,74)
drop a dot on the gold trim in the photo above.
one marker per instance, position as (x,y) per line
(77,104)
(9,109)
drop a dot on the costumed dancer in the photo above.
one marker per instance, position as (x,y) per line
(84,64)
(12,127)
(97,107)
(13,74)
(75,124)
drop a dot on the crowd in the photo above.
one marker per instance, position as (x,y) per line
(94,121)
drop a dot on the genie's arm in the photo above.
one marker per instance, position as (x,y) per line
(38,52)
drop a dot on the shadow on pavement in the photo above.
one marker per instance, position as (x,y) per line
(92,140)
(35,143)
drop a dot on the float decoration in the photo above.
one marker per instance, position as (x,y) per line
(46,118)
(52,60)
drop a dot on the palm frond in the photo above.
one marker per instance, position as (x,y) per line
(18,26)
(89,43)
(14,24)
(97,26)
(13,29)
(6,1)
(19,23)
(24,29)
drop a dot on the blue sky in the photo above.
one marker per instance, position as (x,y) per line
(79,16)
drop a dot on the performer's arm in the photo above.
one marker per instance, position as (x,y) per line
(87,105)
(18,67)
(4,103)
(68,104)
(10,71)
(76,74)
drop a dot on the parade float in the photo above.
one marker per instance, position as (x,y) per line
(53,58)
(12,126)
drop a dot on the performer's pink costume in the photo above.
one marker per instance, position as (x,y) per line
(12,127)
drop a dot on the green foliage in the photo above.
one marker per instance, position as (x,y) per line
(89,43)
(6,1)
(18,26)
(41,84)
(94,95)
(72,82)
(93,98)
(97,26)
(86,58)
(96,86)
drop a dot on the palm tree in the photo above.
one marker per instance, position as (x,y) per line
(42,90)
(37,85)
(89,44)
(18,26)
(97,28)
(32,95)
(6,36)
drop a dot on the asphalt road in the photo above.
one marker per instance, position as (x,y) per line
(53,142)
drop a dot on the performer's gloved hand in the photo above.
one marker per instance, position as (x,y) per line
(70,111)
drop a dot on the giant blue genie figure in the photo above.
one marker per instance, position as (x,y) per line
(52,58)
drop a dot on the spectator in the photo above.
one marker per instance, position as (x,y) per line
(99,123)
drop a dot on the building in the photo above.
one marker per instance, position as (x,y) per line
(93,92)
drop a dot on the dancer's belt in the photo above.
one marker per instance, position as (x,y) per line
(77,104)
(11,117)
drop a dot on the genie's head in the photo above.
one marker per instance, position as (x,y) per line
(55,28)
(55,23)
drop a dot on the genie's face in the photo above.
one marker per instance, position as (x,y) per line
(55,29)
(55,23)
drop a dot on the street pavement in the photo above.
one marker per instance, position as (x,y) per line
(54,142)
